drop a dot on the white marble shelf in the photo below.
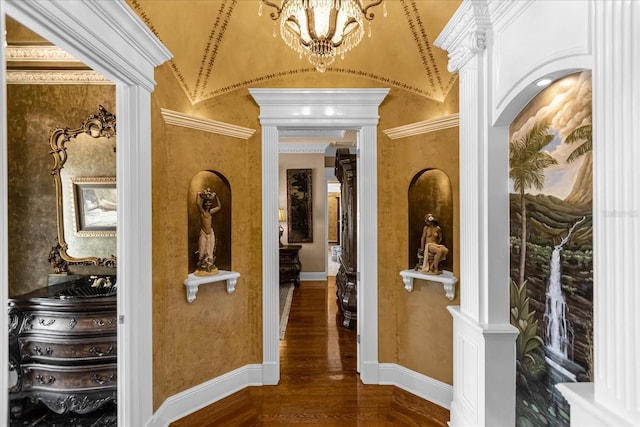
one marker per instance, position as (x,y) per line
(192,282)
(447,279)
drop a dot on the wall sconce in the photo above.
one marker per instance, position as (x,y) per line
(281,218)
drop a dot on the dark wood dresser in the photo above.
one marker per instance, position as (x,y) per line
(346,278)
(290,264)
(63,346)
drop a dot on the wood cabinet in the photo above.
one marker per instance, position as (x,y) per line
(290,265)
(346,278)
(64,347)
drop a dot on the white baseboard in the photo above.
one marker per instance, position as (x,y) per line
(415,383)
(313,276)
(184,403)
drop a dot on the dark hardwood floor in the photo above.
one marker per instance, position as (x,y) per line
(318,380)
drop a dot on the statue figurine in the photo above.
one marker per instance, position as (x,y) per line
(431,249)
(207,241)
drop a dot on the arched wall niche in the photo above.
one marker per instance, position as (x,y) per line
(221,220)
(430,192)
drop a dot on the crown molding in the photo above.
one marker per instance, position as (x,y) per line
(419,128)
(187,121)
(303,148)
(49,77)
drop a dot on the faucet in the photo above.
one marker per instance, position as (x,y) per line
(101,281)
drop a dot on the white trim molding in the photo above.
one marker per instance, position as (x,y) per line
(426,126)
(587,411)
(465,35)
(421,385)
(39,54)
(326,109)
(192,122)
(56,77)
(188,401)
(313,276)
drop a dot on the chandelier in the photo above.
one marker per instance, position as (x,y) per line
(322,29)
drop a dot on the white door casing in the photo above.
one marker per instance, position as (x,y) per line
(356,109)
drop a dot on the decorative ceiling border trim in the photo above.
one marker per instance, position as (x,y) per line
(185,120)
(419,128)
(303,147)
(38,54)
(348,71)
(48,77)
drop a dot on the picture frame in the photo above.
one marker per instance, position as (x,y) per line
(300,205)
(95,208)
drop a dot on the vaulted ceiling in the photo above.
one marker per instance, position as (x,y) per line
(223,45)
(220,46)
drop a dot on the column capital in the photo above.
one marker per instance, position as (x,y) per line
(466,33)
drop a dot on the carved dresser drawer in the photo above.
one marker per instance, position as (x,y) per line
(47,349)
(69,323)
(64,349)
(69,378)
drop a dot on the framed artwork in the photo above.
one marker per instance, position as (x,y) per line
(95,206)
(299,205)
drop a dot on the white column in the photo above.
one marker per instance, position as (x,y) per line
(367,251)
(270,257)
(4,223)
(614,397)
(484,341)
(135,344)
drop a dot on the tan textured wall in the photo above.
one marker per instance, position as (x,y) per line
(194,343)
(33,111)
(415,329)
(217,333)
(312,255)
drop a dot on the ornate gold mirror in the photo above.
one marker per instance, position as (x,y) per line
(84,173)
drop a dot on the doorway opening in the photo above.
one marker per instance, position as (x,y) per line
(298,109)
(131,67)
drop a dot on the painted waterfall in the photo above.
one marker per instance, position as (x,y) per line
(551,289)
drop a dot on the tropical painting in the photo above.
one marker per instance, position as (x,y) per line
(551,244)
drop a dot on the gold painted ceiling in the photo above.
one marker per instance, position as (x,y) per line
(223,45)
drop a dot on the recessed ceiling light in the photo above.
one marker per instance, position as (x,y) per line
(544,82)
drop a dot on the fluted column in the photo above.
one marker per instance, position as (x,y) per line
(614,397)
(484,341)
(270,268)
(616,175)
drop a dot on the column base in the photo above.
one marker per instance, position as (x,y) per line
(586,411)
(484,369)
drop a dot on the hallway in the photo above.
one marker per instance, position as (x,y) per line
(318,384)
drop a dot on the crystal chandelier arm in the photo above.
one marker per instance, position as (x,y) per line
(311,21)
(369,15)
(275,15)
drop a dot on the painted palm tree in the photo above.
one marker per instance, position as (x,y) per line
(581,133)
(527,163)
